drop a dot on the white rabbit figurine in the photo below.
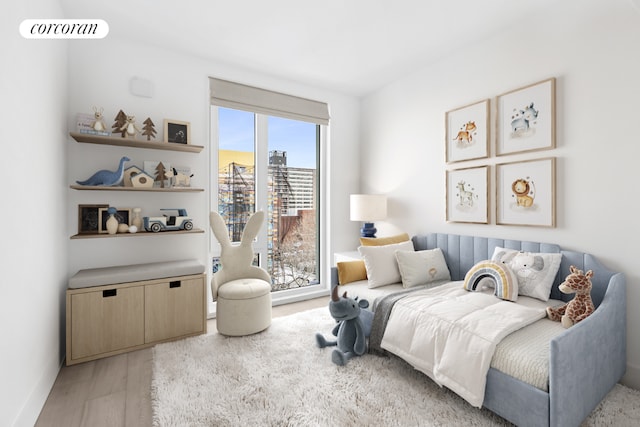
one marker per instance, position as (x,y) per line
(237,260)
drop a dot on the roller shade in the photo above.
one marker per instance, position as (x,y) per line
(256,100)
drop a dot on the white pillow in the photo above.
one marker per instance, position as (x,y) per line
(535,271)
(381,264)
(422,267)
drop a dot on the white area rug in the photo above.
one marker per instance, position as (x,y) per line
(280,378)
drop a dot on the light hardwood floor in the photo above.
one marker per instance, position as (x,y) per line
(115,391)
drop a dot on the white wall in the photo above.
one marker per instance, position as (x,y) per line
(40,211)
(33,214)
(590,47)
(100,72)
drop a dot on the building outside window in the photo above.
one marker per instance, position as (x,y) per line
(288,183)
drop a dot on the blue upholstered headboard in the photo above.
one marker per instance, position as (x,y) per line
(462,252)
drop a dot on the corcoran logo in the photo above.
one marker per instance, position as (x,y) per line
(64,29)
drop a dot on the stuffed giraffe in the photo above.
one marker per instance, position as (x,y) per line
(581,305)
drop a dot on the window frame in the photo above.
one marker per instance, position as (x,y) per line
(261,157)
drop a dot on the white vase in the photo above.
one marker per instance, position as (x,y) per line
(112,225)
(137,220)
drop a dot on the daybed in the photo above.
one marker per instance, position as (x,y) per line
(584,361)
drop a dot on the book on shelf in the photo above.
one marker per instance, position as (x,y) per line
(95,132)
(84,124)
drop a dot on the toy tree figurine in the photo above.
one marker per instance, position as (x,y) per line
(120,119)
(160,174)
(149,129)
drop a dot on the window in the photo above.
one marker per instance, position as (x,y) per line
(268,160)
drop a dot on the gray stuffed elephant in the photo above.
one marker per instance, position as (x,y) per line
(352,330)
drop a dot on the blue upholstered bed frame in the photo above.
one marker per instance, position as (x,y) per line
(585,361)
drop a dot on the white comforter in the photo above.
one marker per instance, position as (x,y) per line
(450,334)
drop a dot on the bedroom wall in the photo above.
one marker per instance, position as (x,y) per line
(33,214)
(100,72)
(588,47)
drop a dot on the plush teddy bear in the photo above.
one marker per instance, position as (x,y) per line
(352,330)
(581,305)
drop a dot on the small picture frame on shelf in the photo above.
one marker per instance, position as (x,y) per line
(89,218)
(123,215)
(177,132)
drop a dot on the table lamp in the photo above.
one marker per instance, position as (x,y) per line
(368,208)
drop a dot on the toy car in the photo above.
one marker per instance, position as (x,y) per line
(168,223)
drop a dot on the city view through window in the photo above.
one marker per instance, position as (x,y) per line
(289,178)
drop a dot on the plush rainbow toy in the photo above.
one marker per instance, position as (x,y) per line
(493,274)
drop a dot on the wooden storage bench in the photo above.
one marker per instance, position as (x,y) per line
(118,309)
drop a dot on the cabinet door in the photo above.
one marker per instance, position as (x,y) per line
(174,309)
(106,320)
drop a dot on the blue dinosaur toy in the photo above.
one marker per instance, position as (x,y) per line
(105,177)
(352,330)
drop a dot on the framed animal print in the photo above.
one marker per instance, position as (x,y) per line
(89,218)
(177,132)
(526,119)
(525,193)
(467,132)
(467,195)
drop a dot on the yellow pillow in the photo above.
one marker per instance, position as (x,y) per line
(351,271)
(381,241)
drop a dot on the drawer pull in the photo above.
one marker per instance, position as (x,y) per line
(175,284)
(109,293)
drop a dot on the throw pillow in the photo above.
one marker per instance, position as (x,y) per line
(494,275)
(422,267)
(381,241)
(351,271)
(535,271)
(380,263)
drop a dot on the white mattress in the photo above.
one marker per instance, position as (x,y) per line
(525,353)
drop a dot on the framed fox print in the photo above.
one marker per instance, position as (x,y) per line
(467,132)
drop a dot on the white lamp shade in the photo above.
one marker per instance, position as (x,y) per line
(368,207)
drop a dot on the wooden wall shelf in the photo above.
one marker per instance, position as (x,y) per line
(126,142)
(157,189)
(138,234)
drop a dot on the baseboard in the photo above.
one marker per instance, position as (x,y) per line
(33,405)
(631,378)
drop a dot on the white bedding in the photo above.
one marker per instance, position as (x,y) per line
(450,334)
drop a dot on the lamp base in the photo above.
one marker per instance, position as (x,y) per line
(368,230)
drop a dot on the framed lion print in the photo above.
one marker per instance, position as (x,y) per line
(525,193)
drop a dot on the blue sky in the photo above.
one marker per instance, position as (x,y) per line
(297,138)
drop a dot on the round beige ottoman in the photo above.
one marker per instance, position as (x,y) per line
(244,307)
